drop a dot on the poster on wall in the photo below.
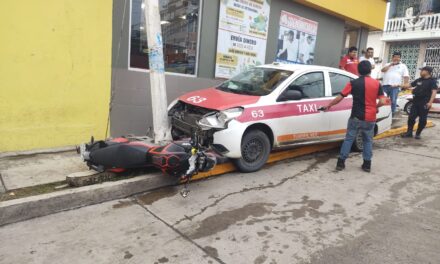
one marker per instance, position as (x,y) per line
(296,39)
(242,35)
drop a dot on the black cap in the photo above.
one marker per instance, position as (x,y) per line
(427,68)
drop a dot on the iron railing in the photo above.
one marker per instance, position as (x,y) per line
(414,23)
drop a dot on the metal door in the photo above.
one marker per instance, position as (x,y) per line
(410,55)
(432,57)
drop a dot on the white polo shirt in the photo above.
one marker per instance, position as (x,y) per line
(395,74)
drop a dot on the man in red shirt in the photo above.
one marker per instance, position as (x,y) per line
(365,91)
(350,61)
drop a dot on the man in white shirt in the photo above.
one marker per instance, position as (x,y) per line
(395,74)
(369,57)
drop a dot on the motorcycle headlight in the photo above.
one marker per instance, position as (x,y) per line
(220,119)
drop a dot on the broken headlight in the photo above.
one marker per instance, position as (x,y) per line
(220,119)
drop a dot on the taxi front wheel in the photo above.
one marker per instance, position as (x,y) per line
(255,150)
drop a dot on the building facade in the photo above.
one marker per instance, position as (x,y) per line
(190,30)
(55,72)
(413,28)
(71,69)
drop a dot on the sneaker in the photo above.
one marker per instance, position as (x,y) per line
(340,165)
(367,165)
(418,136)
(407,135)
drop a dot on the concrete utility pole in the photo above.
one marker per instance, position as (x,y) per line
(159,103)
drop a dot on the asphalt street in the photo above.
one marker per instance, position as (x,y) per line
(296,211)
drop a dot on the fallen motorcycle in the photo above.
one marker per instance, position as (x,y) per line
(182,159)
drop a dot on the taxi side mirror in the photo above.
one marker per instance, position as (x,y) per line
(289,95)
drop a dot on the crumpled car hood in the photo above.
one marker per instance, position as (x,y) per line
(213,98)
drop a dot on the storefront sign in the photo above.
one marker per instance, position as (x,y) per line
(296,39)
(242,35)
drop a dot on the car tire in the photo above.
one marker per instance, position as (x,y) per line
(255,150)
(358,144)
(407,107)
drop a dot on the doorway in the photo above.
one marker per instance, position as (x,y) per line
(351,38)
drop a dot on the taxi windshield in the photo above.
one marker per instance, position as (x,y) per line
(256,81)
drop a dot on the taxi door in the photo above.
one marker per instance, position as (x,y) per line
(304,122)
(339,114)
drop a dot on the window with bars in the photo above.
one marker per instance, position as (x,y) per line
(432,57)
(410,55)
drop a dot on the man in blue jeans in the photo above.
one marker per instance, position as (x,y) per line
(395,74)
(365,91)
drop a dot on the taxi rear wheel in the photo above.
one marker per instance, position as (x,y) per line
(255,150)
(407,107)
(358,144)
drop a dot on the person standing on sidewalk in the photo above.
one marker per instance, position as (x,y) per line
(350,61)
(369,57)
(394,74)
(423,96)
(365,91)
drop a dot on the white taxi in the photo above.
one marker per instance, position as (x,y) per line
(267,107)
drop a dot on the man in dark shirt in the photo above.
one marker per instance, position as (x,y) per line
(365,91)
(423,96)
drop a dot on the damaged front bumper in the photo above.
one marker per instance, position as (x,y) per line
(220,131)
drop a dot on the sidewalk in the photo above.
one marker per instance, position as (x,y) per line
(36,169)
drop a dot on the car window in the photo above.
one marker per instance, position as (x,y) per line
(311,85)
(338,82)
(256,81)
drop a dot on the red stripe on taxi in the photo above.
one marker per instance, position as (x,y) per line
(257,113)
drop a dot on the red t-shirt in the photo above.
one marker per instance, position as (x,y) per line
(365,91)
(349,64)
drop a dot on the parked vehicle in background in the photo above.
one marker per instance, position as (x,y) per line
(405,103)
(266,107)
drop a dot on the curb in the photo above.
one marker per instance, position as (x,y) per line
(36,206)
(37,151)
(274,157)
(296,152)
(400,130)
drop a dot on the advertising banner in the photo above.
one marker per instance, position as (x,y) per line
(242,35)
(296,39)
